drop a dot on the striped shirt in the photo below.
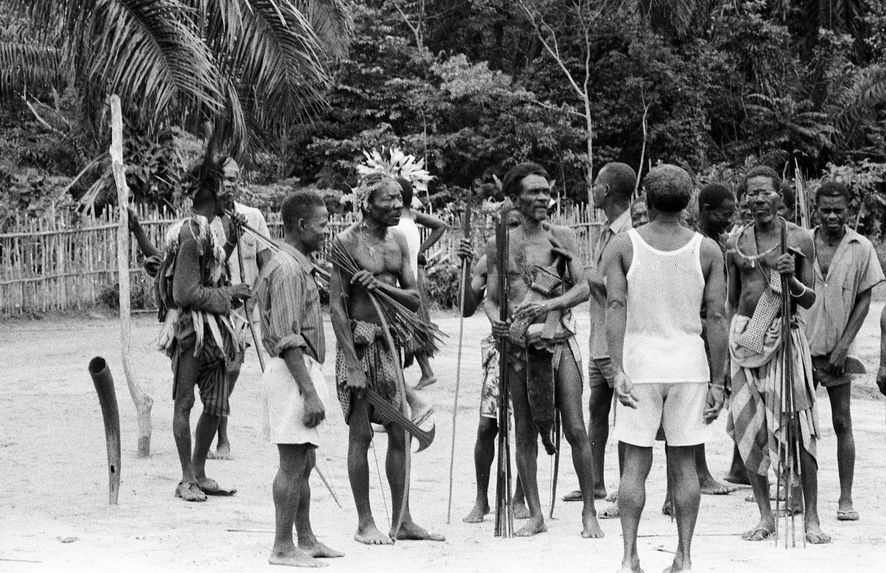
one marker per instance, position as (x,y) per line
(598,345)
(288,303)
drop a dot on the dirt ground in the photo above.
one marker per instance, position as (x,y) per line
(53,501)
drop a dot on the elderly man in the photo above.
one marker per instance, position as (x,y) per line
(254,255)
(364,359)
(658,278)
(293,388)
(545,282)
(756,264)
(846,269)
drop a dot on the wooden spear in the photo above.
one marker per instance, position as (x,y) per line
(465,268)
(143,402)
(504,516)
(261,360)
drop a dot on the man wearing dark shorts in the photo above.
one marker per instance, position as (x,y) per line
(204,342)
(846,269)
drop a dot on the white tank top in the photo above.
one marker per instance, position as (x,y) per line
(663,332)
(409,229)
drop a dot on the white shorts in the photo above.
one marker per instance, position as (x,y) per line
(678,408)
(284,407)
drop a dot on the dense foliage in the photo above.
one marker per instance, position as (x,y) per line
(471,86)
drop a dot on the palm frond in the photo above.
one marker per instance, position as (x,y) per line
(331,21)
(27,66)
(143,50)
(860,100)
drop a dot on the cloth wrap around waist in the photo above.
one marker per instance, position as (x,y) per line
(379,362)
(755,419)
(540,347)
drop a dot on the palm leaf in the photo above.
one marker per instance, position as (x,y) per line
(331,21)
(27,66)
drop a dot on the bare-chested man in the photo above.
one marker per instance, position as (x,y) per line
(755,265)
(846,269)
(363,358)
(545,283)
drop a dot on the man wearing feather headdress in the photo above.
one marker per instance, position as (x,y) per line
(545,282)
(755,265)
(191,284)
(364,358)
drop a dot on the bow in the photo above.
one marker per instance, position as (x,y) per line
(404,409)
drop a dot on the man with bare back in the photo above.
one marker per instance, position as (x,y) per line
(363,359)
(755,265)
(545,283)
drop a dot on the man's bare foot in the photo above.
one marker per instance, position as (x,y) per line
(710,486)
(477,513)
(424,382)
(411,532)
(761,531)
(590,525)
(632,566)
(534,526)
(738,478)
(211,487)
(520,510)
(675,569)
(222,452)
(370,535)
(293,557)
(320,551)
(575,495)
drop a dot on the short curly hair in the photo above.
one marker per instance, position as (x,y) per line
(668,188)
(833,189)
(511,185)
(762,171)
(299,204)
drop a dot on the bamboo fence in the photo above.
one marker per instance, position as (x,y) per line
(65,263)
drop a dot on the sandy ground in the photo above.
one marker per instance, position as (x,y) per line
(53,501)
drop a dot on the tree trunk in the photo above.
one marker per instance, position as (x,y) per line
(590,169)
(143,402)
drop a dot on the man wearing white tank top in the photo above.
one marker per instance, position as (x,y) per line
(658,278)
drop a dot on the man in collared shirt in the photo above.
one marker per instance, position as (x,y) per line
(293,387)
(254,255)
(846,269)
(612,193)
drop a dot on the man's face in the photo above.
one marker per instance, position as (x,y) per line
(230,181)
(313,229)
(639,214)
(601,188)
(832,210)
(721,217)
(534,197)
(386,204)
(763,199)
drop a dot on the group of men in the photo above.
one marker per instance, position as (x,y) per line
(679,317)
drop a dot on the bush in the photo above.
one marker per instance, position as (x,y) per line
(141,294)
(442,282)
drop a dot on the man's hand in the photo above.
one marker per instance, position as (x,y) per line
(785,264)
(314,411)
(500,329)
(422,260)
(837,360)
(356,379)
(624,390)
(464,251)
(715,399)
(365,279)
(531,310)
(881,379)
(240,292)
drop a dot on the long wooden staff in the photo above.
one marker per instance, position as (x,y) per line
(461,330)
(557,433)
(261,361)
(404,408)
(504,516)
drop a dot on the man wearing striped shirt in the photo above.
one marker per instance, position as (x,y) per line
(293,387)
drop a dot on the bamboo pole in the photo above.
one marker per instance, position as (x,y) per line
(143,402)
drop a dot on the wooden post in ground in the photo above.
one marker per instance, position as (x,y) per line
(143,402)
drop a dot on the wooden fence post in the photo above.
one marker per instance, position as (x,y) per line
(143,402)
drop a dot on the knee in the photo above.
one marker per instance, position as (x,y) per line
(575,434)
(842,423)
(184,404)
(486,432)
